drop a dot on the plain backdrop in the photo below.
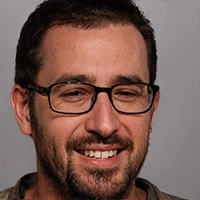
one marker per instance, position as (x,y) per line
(173,162)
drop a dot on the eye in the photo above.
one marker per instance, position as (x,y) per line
(73,95)
(127,93)
(130,93)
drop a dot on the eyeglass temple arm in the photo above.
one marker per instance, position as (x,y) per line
(40,90)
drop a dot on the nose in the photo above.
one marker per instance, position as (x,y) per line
(103,118)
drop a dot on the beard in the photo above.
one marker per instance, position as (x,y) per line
(72,182)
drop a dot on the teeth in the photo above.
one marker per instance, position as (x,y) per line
(86,153)
(111,153)
(104,154)
(99,154)
(91,153)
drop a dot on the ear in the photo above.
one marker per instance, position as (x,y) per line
(19,103)
(154,107)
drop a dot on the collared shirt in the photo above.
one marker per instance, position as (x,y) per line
(29,180)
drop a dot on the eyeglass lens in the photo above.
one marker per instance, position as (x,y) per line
(78,98)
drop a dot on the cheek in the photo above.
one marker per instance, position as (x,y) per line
(138,130)
(60,127)
(137,126)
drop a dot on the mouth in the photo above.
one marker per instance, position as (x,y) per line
(99,154)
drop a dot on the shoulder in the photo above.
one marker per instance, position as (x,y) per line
(6,193)
(19,190)
(171,197)
(153,192)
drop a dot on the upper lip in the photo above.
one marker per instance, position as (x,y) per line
(100,147)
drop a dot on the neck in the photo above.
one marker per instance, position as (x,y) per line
(45,190)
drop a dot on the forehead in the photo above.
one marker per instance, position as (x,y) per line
(100,54)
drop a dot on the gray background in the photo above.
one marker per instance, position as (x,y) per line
(173,162)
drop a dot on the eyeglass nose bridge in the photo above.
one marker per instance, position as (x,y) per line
(98,90)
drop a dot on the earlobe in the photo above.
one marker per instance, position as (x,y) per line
(19,103)
(154,107)
(156,101)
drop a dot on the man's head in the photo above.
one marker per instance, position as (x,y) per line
(82,14)
(88,65)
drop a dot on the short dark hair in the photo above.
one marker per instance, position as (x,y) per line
(83,14)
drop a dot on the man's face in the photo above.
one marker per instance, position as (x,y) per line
(102,57)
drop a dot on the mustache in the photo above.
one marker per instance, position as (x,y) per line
(114,139)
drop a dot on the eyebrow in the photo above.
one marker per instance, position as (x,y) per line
(75,78)
(83,78)
(121,79)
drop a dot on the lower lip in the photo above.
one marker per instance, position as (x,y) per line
(101,163)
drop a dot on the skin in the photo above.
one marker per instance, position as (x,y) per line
(102,56)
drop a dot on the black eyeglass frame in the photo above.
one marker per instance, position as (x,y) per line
(47,90)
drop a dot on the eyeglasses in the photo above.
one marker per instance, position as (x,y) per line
(79,98)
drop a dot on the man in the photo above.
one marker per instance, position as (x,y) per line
(84,91)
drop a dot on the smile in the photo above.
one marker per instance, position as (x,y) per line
(99,154)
